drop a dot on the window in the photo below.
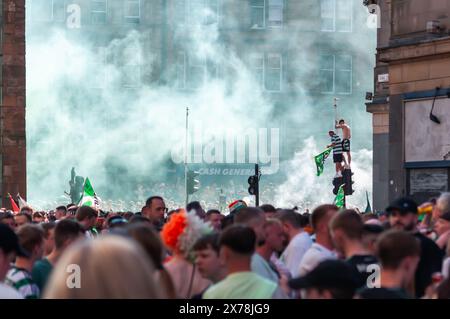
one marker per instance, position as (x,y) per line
(213,69)
(42,10)
(267,70)
(336,15)
(98,11)
(275,18)
(326,74)
(257,67)
(343,74)
(132,11)
(327,14)
(196,73)
(132,68)
(273,73)
(344,15)
(181,70)
(336,74)
(199,12)
(98,69)
(132,76)
(196,11)
(258,14)
(59,11)
(179,8)
(193,72)
(212,12)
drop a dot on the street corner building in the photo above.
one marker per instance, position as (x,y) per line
(411,102)
(12,97)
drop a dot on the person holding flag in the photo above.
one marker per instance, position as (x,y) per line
(320,160)
(338,158)
(87,211)
(89,198)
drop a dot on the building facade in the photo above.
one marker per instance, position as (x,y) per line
(411,105)
(12,97)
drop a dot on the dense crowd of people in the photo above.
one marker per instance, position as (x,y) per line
(247,252)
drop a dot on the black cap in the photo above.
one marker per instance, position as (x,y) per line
(9,242)
(329,274)
(445,216)
(403,205)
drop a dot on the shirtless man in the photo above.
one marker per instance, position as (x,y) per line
(346,136)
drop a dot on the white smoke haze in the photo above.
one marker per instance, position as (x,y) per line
(303,188)
(79,114)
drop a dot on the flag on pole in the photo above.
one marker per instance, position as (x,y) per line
(320,160)
(14,206)
(89,198)
(368,207)
(339,201)
(22,202)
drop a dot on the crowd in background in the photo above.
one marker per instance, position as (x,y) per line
(247,252)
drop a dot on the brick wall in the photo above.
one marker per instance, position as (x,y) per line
(12,119)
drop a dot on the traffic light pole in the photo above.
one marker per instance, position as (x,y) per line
(257,185)
(345,201)
(186,156)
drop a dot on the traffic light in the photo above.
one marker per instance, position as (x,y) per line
(193,184)
(253,185)
(337,182)
(347,177)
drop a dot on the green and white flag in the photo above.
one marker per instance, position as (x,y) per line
(339,201)
(320,160)
(89,198)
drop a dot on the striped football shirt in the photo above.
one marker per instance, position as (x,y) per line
(337,148)
(20,279)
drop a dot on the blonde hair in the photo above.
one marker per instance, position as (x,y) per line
(272,222)
(110,267)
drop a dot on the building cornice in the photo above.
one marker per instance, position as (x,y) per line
(415,51)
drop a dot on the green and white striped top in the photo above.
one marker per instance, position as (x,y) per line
(20,279)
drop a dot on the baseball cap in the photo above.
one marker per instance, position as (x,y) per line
(404,205)
(329,274)
(9,242)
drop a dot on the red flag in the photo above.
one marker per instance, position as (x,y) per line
(14,206)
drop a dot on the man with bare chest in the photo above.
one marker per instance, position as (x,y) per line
(346,136)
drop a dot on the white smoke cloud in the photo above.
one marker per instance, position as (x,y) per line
(80,114)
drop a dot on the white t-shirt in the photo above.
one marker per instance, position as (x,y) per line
(7,292)
(294,252)
(314,256)
(446,267)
